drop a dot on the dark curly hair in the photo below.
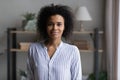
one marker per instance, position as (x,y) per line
(50,10)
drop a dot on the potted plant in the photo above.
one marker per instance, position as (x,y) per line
(26,17)
(102,76)
(23,75)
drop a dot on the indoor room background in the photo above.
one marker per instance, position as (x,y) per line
(11,12)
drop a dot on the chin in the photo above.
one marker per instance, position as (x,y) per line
(55,37)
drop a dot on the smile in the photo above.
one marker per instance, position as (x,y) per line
(54,33)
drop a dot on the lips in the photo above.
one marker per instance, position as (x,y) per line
(54,33)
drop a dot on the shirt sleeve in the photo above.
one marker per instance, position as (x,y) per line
(76,71)
(30,67)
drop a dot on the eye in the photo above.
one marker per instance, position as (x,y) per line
(49,24)
(59,24)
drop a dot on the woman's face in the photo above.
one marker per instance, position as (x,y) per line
(55,27)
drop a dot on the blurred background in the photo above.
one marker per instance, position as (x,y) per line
(11,16)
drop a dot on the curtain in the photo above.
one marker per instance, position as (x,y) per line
(118,42)
(111,27)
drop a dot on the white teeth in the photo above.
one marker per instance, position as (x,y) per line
(54,32)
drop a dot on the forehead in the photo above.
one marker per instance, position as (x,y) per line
(56,18)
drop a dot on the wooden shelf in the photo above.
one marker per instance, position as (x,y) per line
(12,40)
(18,50)
(74,32)
(84,51)
(88,51)
(24,32)
(86,32)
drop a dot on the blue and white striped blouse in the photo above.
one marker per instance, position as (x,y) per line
(65,64)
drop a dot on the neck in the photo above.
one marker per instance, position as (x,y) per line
(52,43)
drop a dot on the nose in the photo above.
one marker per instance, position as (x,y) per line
(54,26)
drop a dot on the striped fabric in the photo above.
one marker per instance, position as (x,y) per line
(65,64)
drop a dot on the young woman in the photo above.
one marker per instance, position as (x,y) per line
(53,59)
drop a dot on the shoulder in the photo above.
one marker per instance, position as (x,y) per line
(70,47)
(35,45)
(34,48)
(72,50)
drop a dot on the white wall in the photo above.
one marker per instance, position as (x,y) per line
(10,16)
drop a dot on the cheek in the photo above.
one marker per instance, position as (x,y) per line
(63,28)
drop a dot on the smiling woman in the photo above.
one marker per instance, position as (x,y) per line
(53,59)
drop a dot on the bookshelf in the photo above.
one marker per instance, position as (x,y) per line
(12,49)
